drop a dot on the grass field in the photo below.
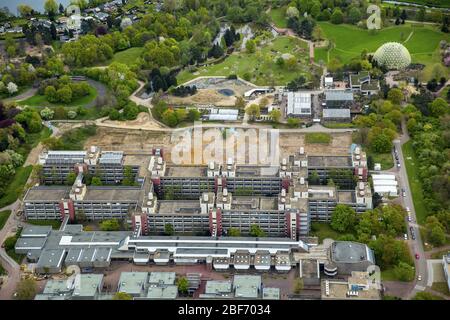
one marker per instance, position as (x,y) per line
(421,41)
(4,215)
(15,188)
(385,159)
(318,137)
(259,66)
(441,287)
(323,231)
(41,101)
(414,182)
(127,56)
(278,17)
(54,223)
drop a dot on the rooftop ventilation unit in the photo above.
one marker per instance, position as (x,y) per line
(211,165)
(302,150)
(205,197)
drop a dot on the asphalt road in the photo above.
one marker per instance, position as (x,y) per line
(416,245)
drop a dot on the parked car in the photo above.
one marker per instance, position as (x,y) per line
(419,277)
(406,236)
(398,164)
(407,209)
(413,236)
(417,256)
(409,218)
(403,192)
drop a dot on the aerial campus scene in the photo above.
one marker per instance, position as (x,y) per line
(224,150)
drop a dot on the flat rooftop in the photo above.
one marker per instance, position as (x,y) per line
(254,203)
(47,193)
(162,278)
(186,171)
(90,284)
(346,196)
(51,258)
(271,293)
(338,290)
(35,231)
(256,171)
(132,282)
(247,286)
(183,206)
(112,194)
(348,251)
(217,287)
(329,161)
(322,192)
(169,292)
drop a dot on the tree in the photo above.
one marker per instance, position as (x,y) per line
(168,229)
(337,17)
(47,113)
(439,107)
(395,95)
(64,94)
(193,115)
(317,33)
(343,218)
(293,122)
(253,111)
(51,7)
(292,12)
(128,176)
(381,144)
(275,114)
(26,289)
(354,15)
(234,232)
(24,10)
(70,179)
(250,46)
(122,296)
(12,88)
(256,231)
(240,102)
(404,272)
(169,118)
(291,63)
(96,181)
(298,285)
(110,225)
(183,285)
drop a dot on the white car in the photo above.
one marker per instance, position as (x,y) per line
(409,218)
(407,209)
(406,236)
(419,277)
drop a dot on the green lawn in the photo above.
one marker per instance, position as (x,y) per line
(4,215)
(278,17)
(323,231)
(385,159)
(338,125)
(423,44)
(318,137)
(260,67)
(441,287)
(15,188)
(54,223)
(41,101)
(414,182)
(127,56)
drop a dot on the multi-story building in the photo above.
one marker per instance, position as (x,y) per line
(281,200)
(110,166)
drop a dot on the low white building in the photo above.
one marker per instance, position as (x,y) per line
(298,104)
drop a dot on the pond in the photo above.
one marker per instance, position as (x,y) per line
(226,92)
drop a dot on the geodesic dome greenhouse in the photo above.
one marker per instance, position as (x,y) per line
(393,56)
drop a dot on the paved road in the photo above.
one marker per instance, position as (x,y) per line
(416,245)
